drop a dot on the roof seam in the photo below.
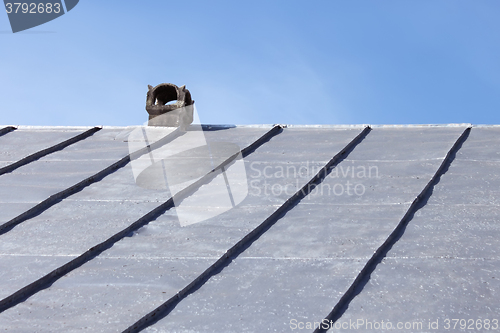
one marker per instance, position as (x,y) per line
(47,151)
(7,129)
(419,202)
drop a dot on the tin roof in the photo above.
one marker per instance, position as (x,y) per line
(335,224)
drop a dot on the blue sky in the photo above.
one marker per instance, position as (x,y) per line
(254,62)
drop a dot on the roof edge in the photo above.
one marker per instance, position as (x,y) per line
(33,127)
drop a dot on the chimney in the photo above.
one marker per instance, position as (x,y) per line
(169,105)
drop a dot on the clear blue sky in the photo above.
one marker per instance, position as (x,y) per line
(251,62)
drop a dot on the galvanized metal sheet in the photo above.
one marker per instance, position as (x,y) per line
(163,240)
(302,265)
(444,266)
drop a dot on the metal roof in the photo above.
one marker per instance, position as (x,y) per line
(340,225)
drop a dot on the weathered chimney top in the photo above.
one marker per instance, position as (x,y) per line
(175,114)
